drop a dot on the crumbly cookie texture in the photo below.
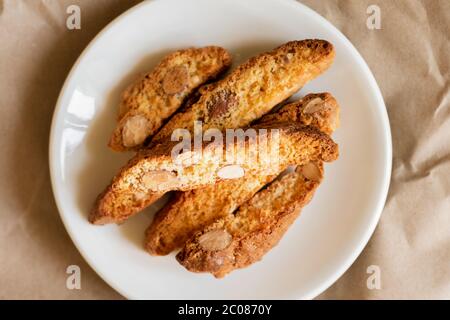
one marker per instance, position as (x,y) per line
(240,239)
(156,171)
(190,211)
(255,87)
(148,102)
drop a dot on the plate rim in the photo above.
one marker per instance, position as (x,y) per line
(375,217)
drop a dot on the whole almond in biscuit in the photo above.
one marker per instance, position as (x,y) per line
(215,240)
(154,179)
(176,80)
(311,172)
(135,130)
(220,103)
(315,105)
(233,171)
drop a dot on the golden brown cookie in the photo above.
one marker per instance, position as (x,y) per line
(244,237)
(255,87)
(157,171)
(148,102)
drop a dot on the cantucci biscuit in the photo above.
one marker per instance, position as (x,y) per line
(255,87)
(156,170)
(244,237)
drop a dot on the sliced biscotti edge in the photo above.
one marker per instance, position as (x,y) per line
(115,207)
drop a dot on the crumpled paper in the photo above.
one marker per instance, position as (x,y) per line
(409,253)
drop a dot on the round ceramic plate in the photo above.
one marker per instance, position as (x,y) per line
(332,230)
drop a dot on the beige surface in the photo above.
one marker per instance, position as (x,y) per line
(409,57)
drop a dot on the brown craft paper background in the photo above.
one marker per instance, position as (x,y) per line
(409,56)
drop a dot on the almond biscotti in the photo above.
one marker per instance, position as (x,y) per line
(190,211)
(155,171)
(147,103)
(275,75)
(255,87)
(242,238)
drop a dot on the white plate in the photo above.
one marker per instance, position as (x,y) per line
(332,230)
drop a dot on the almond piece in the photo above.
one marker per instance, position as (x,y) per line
(233,171)
(176,80)
(139,196)
(220,103)
(311,172)
(154,180)
(315,105)
(333,119)
(135,131)
(324,112)
(215,240)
